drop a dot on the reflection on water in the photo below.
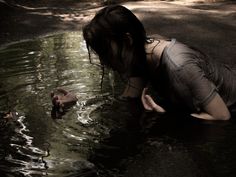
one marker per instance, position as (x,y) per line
(33,143)
(99,136)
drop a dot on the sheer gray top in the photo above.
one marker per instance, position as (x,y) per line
(188,79)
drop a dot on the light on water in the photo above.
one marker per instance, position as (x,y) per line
(98,136)
(34,143)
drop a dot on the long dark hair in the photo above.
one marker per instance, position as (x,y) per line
(113,24)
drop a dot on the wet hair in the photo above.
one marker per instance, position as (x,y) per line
(116,24)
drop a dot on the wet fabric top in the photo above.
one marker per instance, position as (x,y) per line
(189,79)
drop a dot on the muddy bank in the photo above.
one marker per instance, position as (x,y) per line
(27,21)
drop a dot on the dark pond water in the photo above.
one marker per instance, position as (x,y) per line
(100,135)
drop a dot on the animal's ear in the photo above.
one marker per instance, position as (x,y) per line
(129,38)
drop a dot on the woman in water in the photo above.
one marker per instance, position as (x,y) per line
(183,78)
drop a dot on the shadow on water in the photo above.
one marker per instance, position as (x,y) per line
(101,135)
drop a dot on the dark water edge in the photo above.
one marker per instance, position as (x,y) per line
(179,146)
(187,147)
(101,135)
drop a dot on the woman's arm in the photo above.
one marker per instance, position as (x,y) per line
(216,109)
(200,89)
(149,104)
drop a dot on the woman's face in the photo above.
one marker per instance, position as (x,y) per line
(121,58)
(115,59)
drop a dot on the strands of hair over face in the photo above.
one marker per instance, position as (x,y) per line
(102,67)
(117,25)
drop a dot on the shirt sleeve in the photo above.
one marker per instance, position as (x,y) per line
(200,88)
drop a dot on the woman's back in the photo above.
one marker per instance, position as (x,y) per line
(187,76)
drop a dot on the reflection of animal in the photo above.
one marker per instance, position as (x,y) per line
(57,112)
(47,153)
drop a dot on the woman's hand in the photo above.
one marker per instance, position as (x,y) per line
(63,98)
(149,104)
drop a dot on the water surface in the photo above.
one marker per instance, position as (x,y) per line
(34,144)
(100,135)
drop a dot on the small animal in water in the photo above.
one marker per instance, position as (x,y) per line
(8,118)
(8,115)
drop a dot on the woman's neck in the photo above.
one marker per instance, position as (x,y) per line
(154,50)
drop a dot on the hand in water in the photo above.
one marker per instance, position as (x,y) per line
(62,100)
(149,104)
